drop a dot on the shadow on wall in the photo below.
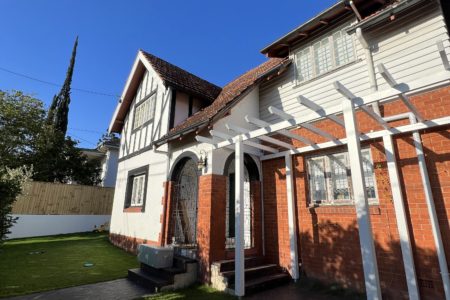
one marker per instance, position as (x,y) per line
(332,253)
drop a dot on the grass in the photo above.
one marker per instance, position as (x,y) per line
(196,292)
(46,263)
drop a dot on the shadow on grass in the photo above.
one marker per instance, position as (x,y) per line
(196,292)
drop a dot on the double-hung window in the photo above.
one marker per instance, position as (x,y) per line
(324,55)
(144,111)
(330,181)
(136,187)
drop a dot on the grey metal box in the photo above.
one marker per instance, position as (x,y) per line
(156,257)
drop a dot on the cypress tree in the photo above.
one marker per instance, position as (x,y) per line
(59,109)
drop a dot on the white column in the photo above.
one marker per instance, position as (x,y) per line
(239,266)
(443,267)
(291,217)
(369,260)
(400,215)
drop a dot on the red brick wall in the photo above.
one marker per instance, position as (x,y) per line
(329,241)
(211,221)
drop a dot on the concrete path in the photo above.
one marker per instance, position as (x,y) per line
(122,289)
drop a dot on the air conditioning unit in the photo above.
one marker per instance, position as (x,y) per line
(156,257)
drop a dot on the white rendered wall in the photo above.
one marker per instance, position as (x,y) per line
(41,225)
(181,108)
(109,168)
(144,225)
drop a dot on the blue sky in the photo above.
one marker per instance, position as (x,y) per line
(216,40)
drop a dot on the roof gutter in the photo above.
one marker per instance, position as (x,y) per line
(383,15)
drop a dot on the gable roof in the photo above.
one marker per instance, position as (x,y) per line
(182,79)
(170,75)
(227,98)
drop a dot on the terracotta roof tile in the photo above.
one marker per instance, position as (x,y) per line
(230,92)
(182,79)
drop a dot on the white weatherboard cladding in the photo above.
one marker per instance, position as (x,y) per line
(145,225)
(109,168)
(406,47)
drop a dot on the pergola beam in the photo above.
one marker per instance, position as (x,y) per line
(319,110)
(238,129)
(290,118)
(248,148)
(286,133)
(369,136)
(439,79)
(444,58)
(405,99)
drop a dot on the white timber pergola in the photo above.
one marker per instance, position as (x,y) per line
(248,141)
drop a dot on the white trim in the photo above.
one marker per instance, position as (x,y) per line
(239,262)
(400,215)
(369,259)
(368,136)
(290,197)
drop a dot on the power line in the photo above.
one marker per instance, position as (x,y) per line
(86,130)
(58,85)
(89,142)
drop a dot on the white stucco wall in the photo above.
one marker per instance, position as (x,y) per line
(145,225)
(41,225)
(109,168)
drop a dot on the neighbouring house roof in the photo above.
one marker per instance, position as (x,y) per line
(182,79)
(329,17)
(227,98)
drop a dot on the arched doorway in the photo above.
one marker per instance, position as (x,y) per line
(250,174)
(184,203)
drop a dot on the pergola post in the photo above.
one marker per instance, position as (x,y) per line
(400,215)
(239,259)
(291,217)
(369,260)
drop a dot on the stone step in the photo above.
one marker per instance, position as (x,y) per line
(265,282)
(228,265)
(254,272)
(179,262)
(147,280)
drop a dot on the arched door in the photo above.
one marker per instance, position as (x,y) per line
(184,216)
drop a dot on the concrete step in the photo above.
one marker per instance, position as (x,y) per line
(228,265)
(265,282)
(164,273)
(254,272)
(147,280)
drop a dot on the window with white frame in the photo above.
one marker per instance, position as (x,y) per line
(136,187)
(322,56)
(144,111)
(330,180)
(137,190)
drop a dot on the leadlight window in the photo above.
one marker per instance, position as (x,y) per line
(324,55)
(144,111)
(137,191)
(330,179)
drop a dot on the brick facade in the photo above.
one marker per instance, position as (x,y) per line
(328,236)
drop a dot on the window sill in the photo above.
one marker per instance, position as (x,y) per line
(133,209)
(342,208)
(300,84)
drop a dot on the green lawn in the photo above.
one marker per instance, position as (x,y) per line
(52,262)
(196,292)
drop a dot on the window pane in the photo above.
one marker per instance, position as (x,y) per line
(134,191)
(322,56)
(343,48)
(317,183)
(368,174)
(152,102)
(304,65)
(339,178)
